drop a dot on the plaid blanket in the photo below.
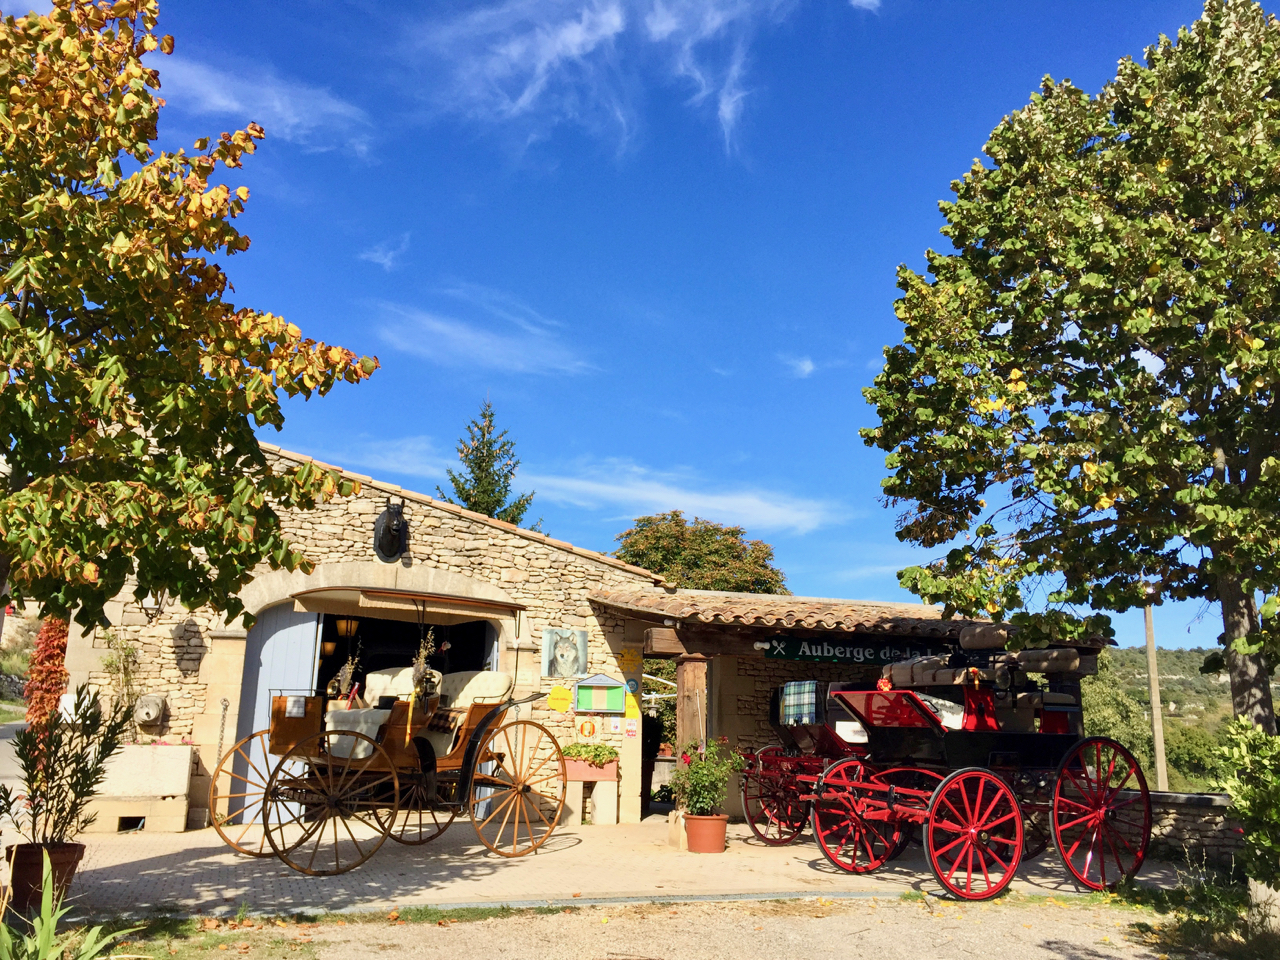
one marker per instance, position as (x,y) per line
(799,703)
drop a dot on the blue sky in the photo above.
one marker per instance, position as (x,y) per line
(659,235)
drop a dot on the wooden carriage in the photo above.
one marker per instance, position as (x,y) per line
(329,781)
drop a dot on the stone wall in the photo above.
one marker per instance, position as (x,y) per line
(549,578)
(1193,827)
(754,681)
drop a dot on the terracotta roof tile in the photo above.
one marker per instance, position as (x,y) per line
(786,612)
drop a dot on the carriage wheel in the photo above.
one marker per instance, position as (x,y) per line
(245,792)
(422,816)
(331,802)
(917,778)
(517,803)
(973,836)
(769,802)
(1035,835)
(845,834)
(1101,813)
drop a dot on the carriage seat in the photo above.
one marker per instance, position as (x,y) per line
(458,691)
(393,682)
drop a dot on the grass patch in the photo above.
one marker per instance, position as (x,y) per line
(12,711)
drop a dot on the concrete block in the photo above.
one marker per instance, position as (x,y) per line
(676,836)
(161,816)
(604,803)
(571,816)
(141,771)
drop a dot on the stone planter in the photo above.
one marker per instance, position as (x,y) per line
(584,772)
(26,862)
(706,834)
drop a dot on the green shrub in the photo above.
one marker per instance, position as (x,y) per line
(701,778)
(596,754)
(1111,712)
(1251,759)
(43,942)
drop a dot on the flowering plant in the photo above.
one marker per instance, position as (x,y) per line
(701,778)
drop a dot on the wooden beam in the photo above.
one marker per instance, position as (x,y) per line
(691,700)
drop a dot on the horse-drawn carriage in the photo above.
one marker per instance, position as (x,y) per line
(330,780)
(989,763)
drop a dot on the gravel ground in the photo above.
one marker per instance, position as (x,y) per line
(804,930)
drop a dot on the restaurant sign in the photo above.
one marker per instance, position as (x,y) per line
(847,650)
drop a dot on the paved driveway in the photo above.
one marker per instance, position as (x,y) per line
(194,872)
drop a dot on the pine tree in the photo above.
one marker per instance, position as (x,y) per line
(489,464)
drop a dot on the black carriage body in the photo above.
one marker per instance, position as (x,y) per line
(901,728)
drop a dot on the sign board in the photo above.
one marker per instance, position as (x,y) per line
(852,650)
(600,694)
(629,660)
(560,699)
(588,729)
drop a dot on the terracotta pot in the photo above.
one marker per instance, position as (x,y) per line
(706,834)
(581,770)
(27,863)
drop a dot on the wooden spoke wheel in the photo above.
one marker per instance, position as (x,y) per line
(770,800)
(331,802)
(518,789)
(973,836)
(853,828)
(1101,813)
(422,817)
(240,784)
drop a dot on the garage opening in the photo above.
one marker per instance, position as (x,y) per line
(384,644)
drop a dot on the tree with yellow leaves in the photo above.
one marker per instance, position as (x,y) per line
(129,386)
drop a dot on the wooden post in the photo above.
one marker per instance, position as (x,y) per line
(691,700)
(1157,720)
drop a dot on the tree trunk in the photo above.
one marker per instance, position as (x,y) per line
(1250,682)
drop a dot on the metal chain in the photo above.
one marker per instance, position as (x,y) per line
(222,729)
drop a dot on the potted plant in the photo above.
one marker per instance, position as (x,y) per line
(700,783)
(590,762)
(63,760)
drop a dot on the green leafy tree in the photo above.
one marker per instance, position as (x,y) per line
(489,464)
(1111,712)
(701,555)
(130,387)
(1087,388)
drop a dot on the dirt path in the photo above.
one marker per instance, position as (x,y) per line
(804,930)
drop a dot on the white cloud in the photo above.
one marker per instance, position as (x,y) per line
(545,62)
(309,116)
(799,366)
(635,490)
(508,335)
(407,456)
(871,5)
(384,254)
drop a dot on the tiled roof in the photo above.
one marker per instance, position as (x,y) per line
(421,498)
(783,612)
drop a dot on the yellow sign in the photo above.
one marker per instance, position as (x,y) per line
(560,699)
(629,660)
(633,706)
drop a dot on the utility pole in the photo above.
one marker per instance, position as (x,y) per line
(1157,721)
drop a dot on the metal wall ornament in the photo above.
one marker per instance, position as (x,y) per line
(391,533)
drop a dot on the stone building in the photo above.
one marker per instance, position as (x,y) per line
(488,590)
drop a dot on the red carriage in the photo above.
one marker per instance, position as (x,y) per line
(988,763)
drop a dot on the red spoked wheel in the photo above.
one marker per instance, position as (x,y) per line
(916,778)
(770,800)
(853,827)
(974,834)
(1101,813)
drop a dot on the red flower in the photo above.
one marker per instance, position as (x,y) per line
(685,757)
